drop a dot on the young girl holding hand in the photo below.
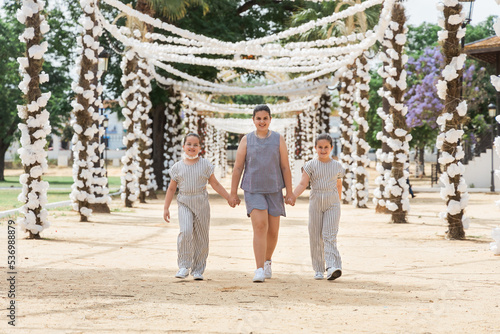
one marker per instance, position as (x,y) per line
(324,208)
(191,174)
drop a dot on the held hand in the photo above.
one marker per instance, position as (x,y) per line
(290,199)
(166,215)
(234,200)
(230,202)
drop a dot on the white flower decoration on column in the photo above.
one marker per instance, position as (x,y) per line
(454,188)
(346,96)
(34,124)
(290,144)
(325,109)
(495,81)
(172,135)
(360,155)
(145,171)
(89,185)
(396,190)
(129,102)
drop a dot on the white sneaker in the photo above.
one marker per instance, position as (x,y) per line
(318,275)
(259,275)
(182,273)
(198,277)
(333,273)
(268,272)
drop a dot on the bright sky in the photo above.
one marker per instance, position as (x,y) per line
(419,11)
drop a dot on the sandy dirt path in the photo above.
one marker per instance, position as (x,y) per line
(115,274)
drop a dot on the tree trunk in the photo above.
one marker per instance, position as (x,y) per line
(398,202)
(451,121)
(421,160)
(34,124)
(159,122)
(361,161)
(346,95)
(3,150)
(383,165)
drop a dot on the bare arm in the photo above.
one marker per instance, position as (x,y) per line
(299,189)
(285,168)
(239,166)
(219,188)
(168,200)
(339,188)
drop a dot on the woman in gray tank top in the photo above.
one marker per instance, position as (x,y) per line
(263,157)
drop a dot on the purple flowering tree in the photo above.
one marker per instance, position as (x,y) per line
(424,105)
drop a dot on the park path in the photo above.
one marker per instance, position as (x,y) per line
(115,275)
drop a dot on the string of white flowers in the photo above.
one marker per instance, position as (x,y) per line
(34,123)
(129,102)
(346,96)
(173,134)
(89,185)
(454,187)
(325,109)
(305,89)
(197,102)
(495,81)
(246,125)
(197,47)
(223,153)
(360,155)
(290,143)
(245,47)
(145,171)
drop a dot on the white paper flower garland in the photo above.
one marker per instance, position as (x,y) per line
(454,188)
(145,171)
(346,96)
(360,155)
(89,185)
(396,189)
(129,102)
(384,154)
(34,124)
(173,134)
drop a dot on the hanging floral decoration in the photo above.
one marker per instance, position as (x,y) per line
(172,135)
(34,123)
(454,189)
(360,155)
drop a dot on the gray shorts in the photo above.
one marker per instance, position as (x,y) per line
(273,203)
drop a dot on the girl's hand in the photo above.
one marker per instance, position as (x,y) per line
(166,215)
(290,199)
(234,200)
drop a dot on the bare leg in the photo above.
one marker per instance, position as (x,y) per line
(272,235)
(260,227)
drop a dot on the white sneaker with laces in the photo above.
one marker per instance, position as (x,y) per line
(333,273)
(198,277)
(182,273)
(259,275)
(268,272)
(318,275)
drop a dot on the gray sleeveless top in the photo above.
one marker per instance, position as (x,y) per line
(262,165)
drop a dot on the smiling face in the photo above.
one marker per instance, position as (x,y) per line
(191,146)
(324,148)
(262,120)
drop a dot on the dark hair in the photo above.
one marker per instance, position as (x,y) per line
(261,107)
(324,136)
(191,134)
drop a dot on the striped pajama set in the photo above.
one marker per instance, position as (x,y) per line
(324,213)
(194,213)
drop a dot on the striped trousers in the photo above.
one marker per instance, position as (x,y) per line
(324,217)
(194,224)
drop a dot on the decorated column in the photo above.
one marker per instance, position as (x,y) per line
(34,123)
(129,101)
(325,109)
(173,134)
(396,189)
(346,95)
(384,157)
(360,155)
(147,183)
(89,188)
(454,115)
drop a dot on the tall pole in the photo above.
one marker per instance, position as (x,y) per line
(492,188)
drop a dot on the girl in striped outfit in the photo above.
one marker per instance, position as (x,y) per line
(325,175)
(191,174)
